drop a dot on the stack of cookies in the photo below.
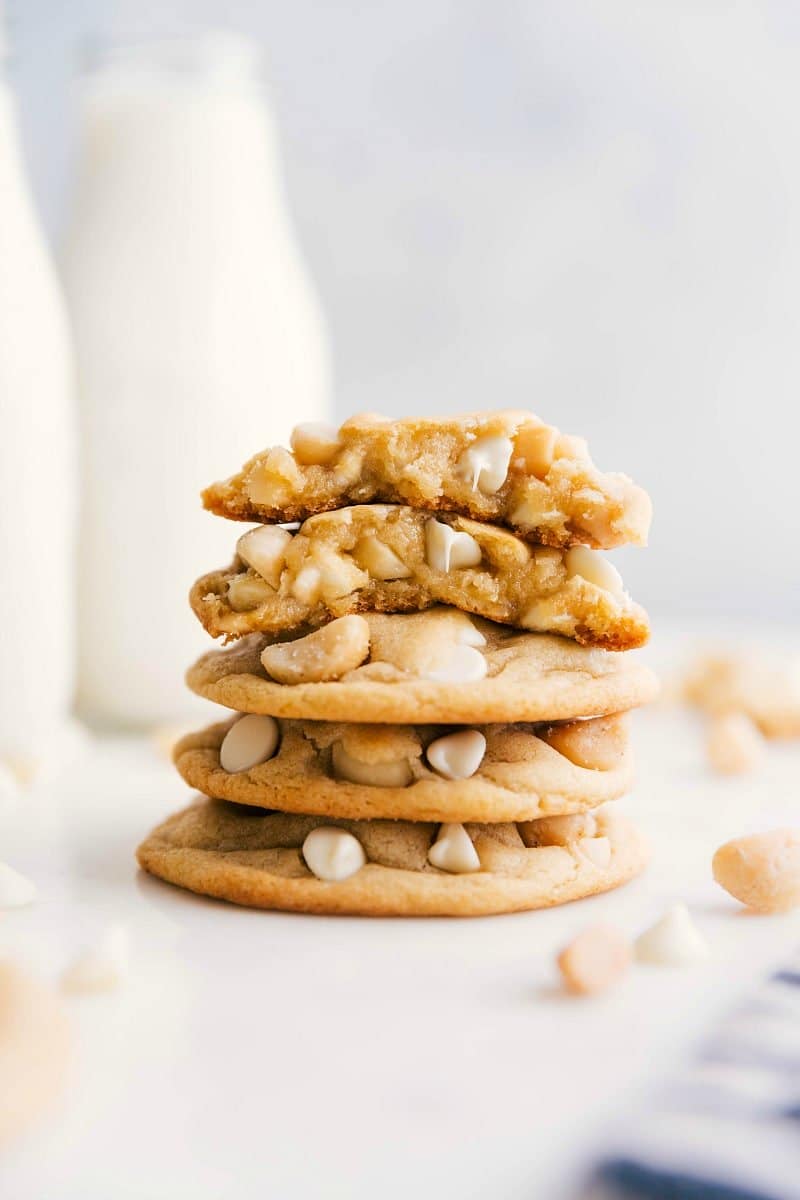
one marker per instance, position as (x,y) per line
(425,669)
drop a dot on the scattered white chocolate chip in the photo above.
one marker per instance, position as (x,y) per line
(594,568)
(327,653)
(453,851)
(674,940)
(446,549)
(379,560)
(597,850)
(485,463)
(457,755)
(101,967)
(15,890)
(394,773)
(264,549)
(314,442)
(333,854)
(595,960)
(734,743)
(762,870)
(251,740)
(307,585)
(465,664)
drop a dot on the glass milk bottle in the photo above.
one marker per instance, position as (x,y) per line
(199,341)
(37,483)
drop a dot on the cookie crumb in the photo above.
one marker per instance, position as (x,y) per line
(594,961)
(762,870)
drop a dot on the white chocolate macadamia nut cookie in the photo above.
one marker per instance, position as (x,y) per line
(393,558)
(409,676)
(380,868)
(423,772)
(507,467)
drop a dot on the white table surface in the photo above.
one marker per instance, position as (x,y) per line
(261,1055)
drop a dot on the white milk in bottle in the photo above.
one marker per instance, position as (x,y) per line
(37,482)
(199,341)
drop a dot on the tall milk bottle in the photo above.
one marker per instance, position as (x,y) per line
(199,341)
(37,479)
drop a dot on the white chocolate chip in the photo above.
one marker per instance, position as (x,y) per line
(594,960)
(333,854)
(395,773)
(591,566)
(597,850)
(449,550)
(314,443)
(453,851)
(674,940)
(379,560)
(734,743)
(307,585)
(327,653)
(102,967)
(762,870)
(15,889)
(470,635)
(264,549)
(251,740)
(464,664)
(485,463)
(458,755)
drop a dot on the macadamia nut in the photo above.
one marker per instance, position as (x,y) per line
(762,870)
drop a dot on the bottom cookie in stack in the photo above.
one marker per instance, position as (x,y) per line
(386,868)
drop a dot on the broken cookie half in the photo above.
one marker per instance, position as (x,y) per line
(506,467)
(394,558)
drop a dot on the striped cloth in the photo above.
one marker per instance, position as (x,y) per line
(728,1126)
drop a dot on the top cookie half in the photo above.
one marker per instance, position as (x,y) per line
(506,467)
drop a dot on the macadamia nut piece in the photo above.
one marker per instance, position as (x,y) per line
(762,870)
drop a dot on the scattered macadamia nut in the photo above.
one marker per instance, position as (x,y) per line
(674,940)
(762,870)
(327,653)
(734,744)
(251,740)
(333,854)
(594,961)
(453,851)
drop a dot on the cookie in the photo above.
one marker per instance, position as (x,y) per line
(253,858)
(520,677)
(392,558)
(505,467)
(325,768)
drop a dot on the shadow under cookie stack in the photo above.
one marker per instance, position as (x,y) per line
(427,675)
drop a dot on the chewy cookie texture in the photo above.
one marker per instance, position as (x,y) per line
(389,558)
(261,860)
(508,468)
(426,681)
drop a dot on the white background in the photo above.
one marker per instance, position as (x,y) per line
(587,208)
